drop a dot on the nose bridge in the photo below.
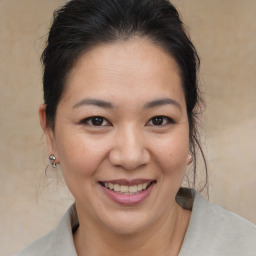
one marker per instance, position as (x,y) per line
(132,140)
(129,148)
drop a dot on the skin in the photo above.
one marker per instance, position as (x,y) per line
(128,145)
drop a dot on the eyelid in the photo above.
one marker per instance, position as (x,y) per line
(169,120)
(88,119)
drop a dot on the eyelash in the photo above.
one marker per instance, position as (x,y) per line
(89,120)
(165,119)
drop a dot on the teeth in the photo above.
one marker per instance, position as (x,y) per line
(133,189)
(144,186)
(126,189)
(117,187)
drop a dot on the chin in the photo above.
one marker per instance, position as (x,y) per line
(128,224)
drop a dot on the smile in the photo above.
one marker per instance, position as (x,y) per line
(128,193)
(127,190)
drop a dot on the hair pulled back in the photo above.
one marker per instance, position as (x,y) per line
(82,24)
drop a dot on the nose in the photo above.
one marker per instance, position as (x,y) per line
(129,149)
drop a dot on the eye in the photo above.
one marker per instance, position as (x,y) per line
(160,120)
(96,121)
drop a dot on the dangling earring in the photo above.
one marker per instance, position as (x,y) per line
(190,159)
(52,159)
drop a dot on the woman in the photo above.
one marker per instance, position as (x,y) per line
(121,98)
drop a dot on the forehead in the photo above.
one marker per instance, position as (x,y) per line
(121,70)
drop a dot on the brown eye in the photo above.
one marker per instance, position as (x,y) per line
(96,121)
(158,120)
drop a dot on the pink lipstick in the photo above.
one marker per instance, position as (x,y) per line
(127,192)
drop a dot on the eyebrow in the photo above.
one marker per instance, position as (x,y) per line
(95,102)
(106,104)
(161,102)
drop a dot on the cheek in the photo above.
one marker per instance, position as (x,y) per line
(173,154)
(80,159)
(80,156)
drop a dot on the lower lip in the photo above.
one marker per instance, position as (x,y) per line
(128,199)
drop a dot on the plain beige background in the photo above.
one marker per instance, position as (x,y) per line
(224,33)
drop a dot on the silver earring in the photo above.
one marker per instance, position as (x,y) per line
(52,159)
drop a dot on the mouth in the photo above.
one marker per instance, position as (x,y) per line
(126,189)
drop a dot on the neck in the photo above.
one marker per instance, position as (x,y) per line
(163,238)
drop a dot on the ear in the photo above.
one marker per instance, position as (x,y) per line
(49,133)
(190,158)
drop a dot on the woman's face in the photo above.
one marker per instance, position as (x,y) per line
(122,135)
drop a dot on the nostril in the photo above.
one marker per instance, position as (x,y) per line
(129,151)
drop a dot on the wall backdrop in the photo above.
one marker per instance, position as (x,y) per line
(224,32)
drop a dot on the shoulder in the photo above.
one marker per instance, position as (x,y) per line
(234,225)
(58,242)
(215,231)
(231,227)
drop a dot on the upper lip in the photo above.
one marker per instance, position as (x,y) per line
(128,182)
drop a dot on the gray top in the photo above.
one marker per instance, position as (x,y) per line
(212,231)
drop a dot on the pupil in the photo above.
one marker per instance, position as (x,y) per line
(97,121)
(157,120)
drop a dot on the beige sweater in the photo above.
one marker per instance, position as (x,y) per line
(212,231)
